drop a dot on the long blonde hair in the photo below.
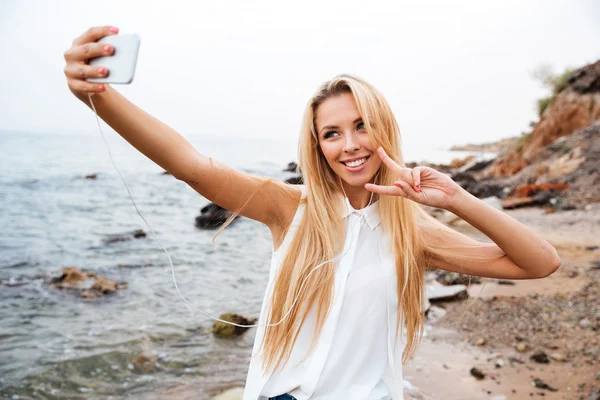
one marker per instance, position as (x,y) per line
(415,236)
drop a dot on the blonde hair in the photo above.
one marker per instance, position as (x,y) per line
(416,237)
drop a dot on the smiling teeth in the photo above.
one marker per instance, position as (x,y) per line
(356,163)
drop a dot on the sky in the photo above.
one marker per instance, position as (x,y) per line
(454,72)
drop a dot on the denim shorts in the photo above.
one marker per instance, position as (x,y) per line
(283,397)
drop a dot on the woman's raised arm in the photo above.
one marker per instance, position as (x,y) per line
(215,181)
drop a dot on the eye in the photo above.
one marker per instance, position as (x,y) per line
(360,126)
(327,135)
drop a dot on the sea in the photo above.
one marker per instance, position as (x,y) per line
(57,345)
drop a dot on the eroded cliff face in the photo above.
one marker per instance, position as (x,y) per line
(574,108)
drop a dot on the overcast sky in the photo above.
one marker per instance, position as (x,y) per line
(453,72)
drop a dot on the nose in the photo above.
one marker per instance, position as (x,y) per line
(350,142)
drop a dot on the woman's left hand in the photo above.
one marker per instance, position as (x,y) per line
(421,184)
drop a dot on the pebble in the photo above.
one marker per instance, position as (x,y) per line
(558,357)
(480,342)
(521,347)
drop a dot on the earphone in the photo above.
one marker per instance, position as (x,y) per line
(171,262)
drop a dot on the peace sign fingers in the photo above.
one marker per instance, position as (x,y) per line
(404,174)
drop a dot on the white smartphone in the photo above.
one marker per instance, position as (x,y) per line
(121,64)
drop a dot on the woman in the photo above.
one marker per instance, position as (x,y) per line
(343,309)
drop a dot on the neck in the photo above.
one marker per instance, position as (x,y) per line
(358,196)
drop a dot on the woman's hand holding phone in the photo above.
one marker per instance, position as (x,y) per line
(82,50)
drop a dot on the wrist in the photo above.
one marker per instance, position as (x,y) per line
(458,200)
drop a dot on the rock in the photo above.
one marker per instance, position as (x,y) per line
(558,357)
(499,363)
(86,283)
(515,202)
(540,357)
(477,373)
(505,282)
(227,330)
(450,278)
(460,162)
(121,237)
(533,189)
(71,277)
(145,362)
(521,347)
(500,397)
(570,110)
(91,176)
(295,180)
(446,293)
(584,323)
(231,394)
(476,165)
(480,342)
(540,384)
(594,394)
(292,167)
(212,216)
(435,313)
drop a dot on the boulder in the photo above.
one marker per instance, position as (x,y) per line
(227,330)
(446,293)
(212,216)
(121,237)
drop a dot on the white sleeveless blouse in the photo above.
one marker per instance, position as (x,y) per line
(356,355)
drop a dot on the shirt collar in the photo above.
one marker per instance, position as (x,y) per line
(371,212)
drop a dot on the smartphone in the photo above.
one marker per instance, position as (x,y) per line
(121,64)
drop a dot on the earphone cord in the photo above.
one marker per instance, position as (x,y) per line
(169,257)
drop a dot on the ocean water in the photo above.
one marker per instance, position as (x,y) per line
(56,345)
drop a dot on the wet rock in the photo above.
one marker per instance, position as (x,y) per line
(477,373)
(446,293)
(227,330)
(212,216)
(540,357)
(101,286)
(121,237)
(87,284)
(291,167)
(295,180)
(145,362)
(71,277)
(540,384)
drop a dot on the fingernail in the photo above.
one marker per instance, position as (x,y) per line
(101,87)
(114,29)
(101,71)
(107,48)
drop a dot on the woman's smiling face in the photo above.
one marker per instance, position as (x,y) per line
(344,140)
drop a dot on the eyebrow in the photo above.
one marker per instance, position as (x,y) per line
(335,126)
